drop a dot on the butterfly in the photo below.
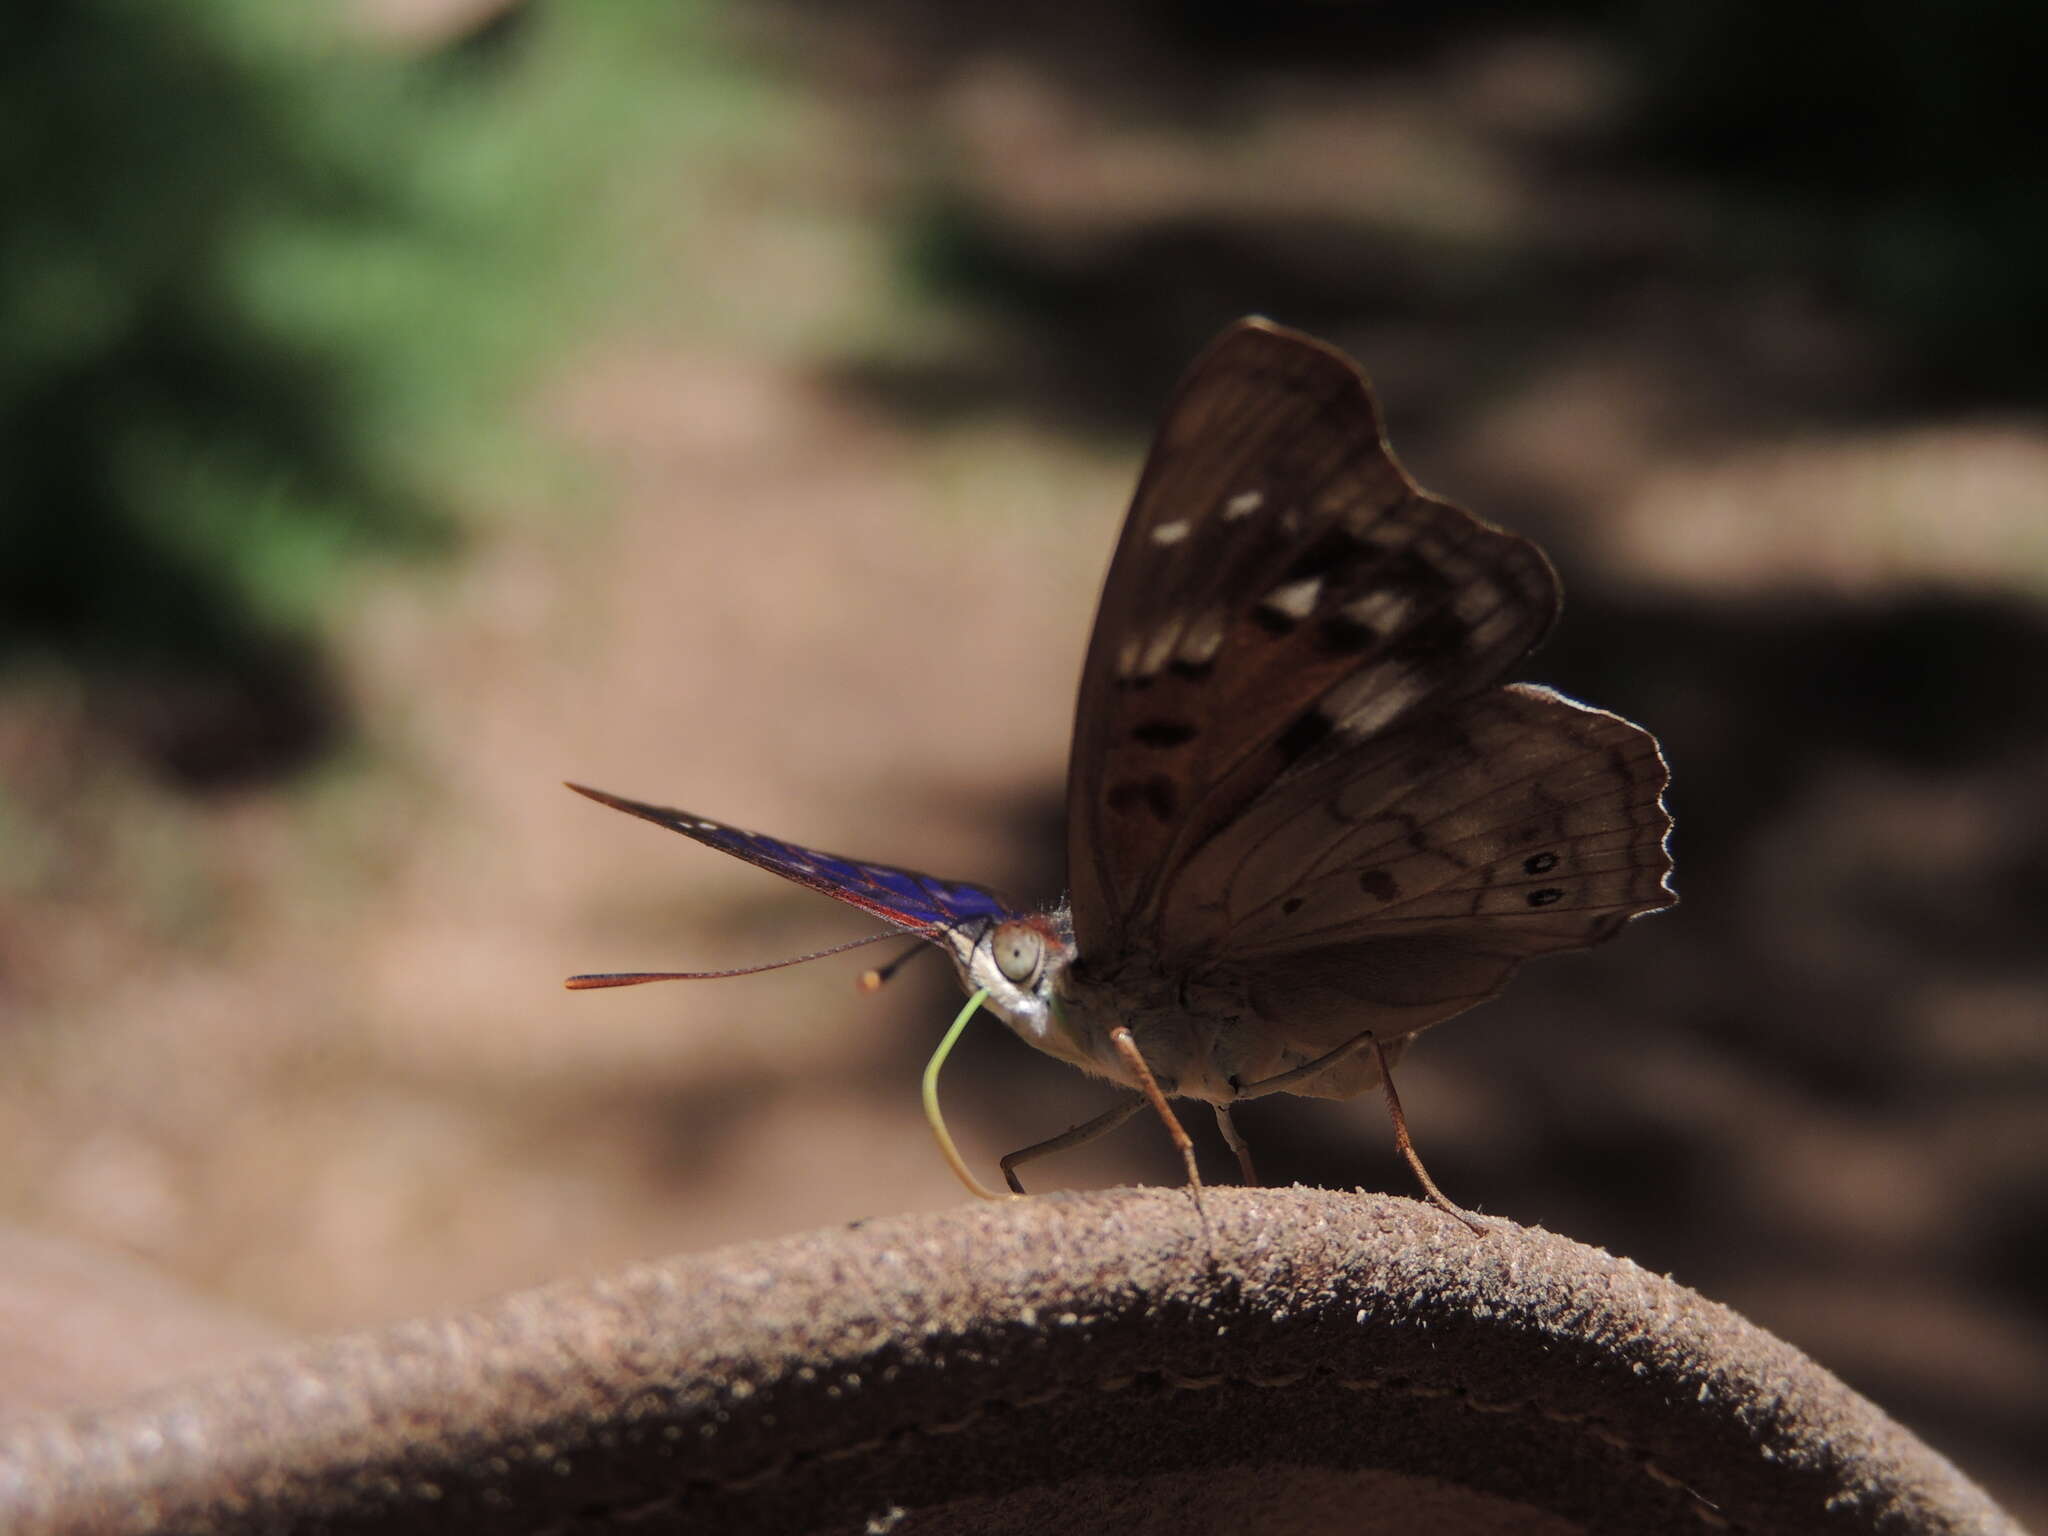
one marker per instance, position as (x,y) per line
(1306,818)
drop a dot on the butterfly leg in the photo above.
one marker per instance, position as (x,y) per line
(1228,1127)
(1127,1047)
(1402,1142)
(1437,1197)
(1079,1135)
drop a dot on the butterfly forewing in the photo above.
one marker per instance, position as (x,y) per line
(1281,591)
(919,904)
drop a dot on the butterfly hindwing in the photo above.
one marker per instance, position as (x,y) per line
(1280,586)
(1400,882)
(919,904)
(1516,813)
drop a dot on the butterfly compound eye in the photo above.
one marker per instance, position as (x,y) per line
(1019,950)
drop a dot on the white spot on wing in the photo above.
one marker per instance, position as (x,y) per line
(1476,601)
(1492,629)
(1159,646)
(1364,703)
(1168,534)
(1296,600)
(1201,640)
(1382,612)
(1243,504)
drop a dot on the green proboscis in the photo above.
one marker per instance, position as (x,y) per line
(931,1101)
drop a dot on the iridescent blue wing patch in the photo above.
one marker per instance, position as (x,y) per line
(916,903)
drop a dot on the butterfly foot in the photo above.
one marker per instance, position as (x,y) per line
(1457,1212)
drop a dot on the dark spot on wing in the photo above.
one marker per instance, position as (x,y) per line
(1155,795)
(1379,885)
(1337,556)
(1273,621)
(1291,905)
(1439,632)
(1346,635)
(1164,733)
(1546,897)
(1539,864)
(1193,670)
(1309,730)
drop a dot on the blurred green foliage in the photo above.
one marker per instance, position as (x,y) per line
(265,289)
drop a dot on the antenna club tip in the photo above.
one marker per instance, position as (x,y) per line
(869,980)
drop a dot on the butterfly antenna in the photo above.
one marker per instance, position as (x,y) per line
(635,978)
(1437,1197)
(874,979)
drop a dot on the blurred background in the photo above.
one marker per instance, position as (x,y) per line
(409,404)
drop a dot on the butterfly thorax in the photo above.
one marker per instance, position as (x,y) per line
(1199,1028)
(1189,1026)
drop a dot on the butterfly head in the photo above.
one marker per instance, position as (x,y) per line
(1022,960)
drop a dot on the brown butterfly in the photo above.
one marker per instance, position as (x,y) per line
(1306,817)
